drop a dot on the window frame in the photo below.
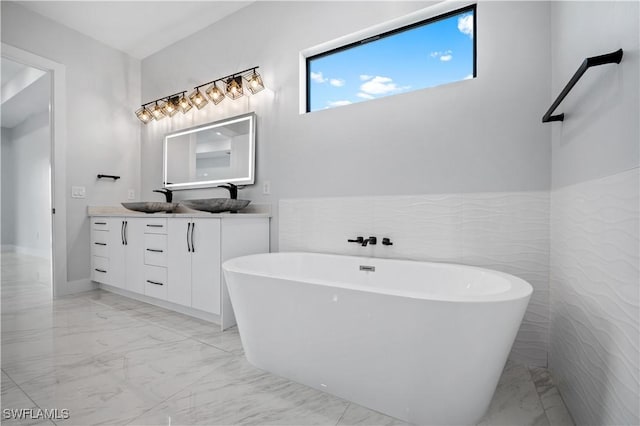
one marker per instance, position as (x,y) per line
(388,33)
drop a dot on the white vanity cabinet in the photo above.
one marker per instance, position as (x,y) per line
(194,266)
(175,261)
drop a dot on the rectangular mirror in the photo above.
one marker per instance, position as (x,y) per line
(211,154)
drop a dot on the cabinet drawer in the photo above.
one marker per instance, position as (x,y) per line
(155,282)
(155,250)
(155,226)
(99,243)
(99,223)
(99,269)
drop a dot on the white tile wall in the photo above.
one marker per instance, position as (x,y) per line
(595,282)
(506,231)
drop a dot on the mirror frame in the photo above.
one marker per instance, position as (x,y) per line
(246,180)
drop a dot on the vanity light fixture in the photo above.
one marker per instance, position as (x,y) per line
(231,86)
(255,82)
(234,87)
(157,112)
(170,108)
(184,104)
(144,115)
(198,99)
(215,94)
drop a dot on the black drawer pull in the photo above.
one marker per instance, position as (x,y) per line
(155,226)
(99,223)
(101,270)
(154,282)
(100,244)
(155,250)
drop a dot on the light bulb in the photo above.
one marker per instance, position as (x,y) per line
(170,108)
(234,87)
(157,112)
(255,83)
(144,115)
(215,94)
(197,99)
(184,105)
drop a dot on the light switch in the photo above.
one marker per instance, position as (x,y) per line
(131,195)
(78,192)
(266,187)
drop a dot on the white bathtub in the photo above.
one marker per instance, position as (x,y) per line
(423,342)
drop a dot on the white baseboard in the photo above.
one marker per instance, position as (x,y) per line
(164,304)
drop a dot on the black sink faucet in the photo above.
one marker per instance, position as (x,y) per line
(167,193)
(233,190)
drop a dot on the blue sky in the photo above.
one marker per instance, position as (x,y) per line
(437,53)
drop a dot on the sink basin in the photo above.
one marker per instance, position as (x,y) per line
(150,206)
(216,205)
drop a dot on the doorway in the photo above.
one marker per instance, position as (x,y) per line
(32,160)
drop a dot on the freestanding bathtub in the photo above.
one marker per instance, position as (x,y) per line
(423,342)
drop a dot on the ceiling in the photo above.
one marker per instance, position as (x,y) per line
(25,91)
(139,28)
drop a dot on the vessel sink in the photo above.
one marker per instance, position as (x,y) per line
(216,205)
(150,206)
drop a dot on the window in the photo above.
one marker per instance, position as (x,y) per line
(428,53)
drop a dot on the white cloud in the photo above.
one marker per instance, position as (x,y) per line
(318,77)
(379,86)
(465,25)
(338,103)
(365,96)
(365,77)
(444,56)
(336,82)
(469,77)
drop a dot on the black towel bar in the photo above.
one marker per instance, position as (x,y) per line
(608,58)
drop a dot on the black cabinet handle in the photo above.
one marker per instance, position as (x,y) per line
(122,232)
(155,226)
(100,244)
(126,230)
(154,282)
(99,223)
(101,270)
(156,250)
(193,247)
(188,244)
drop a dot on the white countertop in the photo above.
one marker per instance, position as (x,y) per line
(251,211)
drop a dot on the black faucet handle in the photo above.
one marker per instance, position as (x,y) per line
(358,240)
(386,242)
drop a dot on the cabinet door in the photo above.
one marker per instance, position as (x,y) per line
(205,265)
(134,262)
(179,261)
(116,248)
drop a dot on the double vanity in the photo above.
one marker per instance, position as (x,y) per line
(174,260)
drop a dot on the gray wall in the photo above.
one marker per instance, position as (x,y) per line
(27,181)
(476,135)
(102,90)
(595,226)
(8,194)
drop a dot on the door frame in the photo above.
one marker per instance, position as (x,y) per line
(58,134)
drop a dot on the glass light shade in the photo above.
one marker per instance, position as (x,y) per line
(184,105)
(157,113)
(255,83)
(144,115)
(198,99)
(170,108)
(215,94)
(234,87)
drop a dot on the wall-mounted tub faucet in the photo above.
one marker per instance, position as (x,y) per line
(370,240)
(358,240)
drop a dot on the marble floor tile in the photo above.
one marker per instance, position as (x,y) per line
(515,401)
(114,360)
(358,415)
(14,398)
(242,394)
